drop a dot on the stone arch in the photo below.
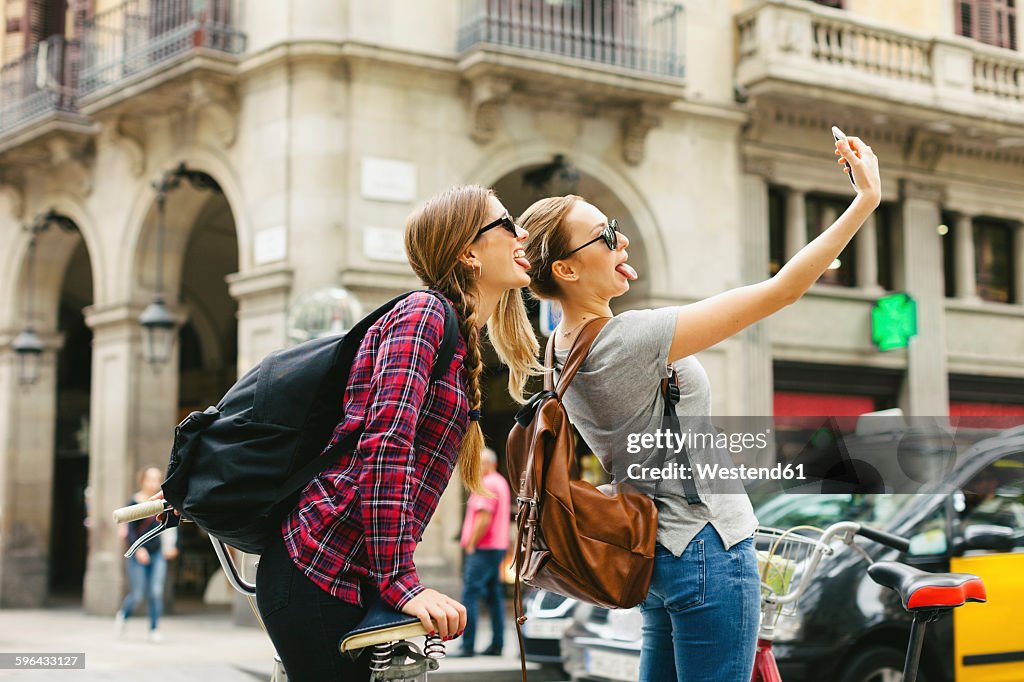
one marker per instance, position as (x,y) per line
(49,283)
(140,224)
(508,158)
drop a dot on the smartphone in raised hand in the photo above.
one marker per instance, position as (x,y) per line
(840,135)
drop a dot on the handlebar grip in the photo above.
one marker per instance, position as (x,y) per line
(138,511)
(887,539)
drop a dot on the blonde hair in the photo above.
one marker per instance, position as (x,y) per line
(435,235)
(548,241)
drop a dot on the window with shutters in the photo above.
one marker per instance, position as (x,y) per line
(43,18)
(990,21)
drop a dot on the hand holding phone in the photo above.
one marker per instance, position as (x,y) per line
(840,135)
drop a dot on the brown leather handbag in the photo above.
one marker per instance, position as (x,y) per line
(572,538)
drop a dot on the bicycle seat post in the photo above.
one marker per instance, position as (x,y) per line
(917,628)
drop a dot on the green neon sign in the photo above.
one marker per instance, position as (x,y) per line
(893,321)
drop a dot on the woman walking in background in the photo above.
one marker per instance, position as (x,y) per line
(147,568)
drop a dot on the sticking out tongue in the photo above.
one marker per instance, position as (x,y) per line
(626,271)
(525,264)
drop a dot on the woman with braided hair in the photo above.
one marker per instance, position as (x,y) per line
(351,537)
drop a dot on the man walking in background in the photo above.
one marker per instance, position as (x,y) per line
(485,539)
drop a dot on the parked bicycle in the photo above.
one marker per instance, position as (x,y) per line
(386,633)
(788,560)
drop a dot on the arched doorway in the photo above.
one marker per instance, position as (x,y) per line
(68,536)
(207,361)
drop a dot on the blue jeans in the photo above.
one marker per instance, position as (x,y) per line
(701,613)
(147,582)
(482,580)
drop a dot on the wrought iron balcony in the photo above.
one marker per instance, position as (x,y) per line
(42,81)
(141,36)
(793,45)
(636,35)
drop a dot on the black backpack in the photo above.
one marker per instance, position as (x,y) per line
(236,469)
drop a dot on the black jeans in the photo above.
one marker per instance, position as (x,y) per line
(305,623)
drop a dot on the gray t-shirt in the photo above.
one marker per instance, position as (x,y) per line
(617,392)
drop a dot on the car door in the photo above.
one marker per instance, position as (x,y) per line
(989,638)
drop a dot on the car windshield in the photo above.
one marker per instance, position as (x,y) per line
(783,510)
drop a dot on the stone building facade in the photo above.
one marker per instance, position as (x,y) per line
(702,126)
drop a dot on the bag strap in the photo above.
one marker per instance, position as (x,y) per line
(577,354)
(670,396)
(445,352)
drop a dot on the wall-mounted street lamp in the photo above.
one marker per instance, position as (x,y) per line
(27,346)
(157,321)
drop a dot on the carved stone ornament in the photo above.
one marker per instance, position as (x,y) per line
(485,106)
(635,126)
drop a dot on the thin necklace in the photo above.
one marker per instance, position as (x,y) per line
(568,333)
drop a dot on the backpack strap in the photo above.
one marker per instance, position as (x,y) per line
(670,396)
(577,354)
(445,352)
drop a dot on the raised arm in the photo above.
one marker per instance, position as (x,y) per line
(702,324)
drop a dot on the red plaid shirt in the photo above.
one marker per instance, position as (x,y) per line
(359,521)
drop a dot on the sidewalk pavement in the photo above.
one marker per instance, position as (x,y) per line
(197,647)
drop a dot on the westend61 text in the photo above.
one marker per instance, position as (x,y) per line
(666,438)
(707,472)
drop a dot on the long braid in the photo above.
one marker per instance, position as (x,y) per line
(435,237)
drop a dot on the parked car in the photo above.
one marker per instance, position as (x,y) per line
(547,617)
(849,629)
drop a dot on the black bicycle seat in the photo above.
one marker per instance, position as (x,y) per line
(923,590)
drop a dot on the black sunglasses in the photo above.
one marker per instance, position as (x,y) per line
(504,222)
(610,235)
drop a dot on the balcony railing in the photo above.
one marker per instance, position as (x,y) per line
(639,35)
(805,43)
(41,81)
(140,35)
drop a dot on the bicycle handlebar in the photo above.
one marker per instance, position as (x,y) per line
(884,538)
(139,511)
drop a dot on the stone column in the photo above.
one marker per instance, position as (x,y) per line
(1018,264)
(133,413)
(758,379)
(966,274)
(262,296)
(27,428)
(796,222)
(926,388)
(866,245)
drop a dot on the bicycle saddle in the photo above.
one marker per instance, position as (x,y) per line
(922,590)
(380,625)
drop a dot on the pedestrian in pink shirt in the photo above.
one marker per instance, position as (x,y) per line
(485,540)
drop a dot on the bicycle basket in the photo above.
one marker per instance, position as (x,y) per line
(783,558)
